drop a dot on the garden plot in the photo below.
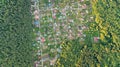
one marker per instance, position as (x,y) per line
(59,23)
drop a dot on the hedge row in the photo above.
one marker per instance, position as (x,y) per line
(15,34)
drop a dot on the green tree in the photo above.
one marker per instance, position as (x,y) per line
(89,54)
(15,34)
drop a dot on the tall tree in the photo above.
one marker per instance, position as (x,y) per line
(106,53)
(15,34)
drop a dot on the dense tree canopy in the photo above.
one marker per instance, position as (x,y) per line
(106,53)
(15,33)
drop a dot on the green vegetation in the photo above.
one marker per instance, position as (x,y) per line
(15,34)
(106,53)
(107,21)
(75,54)
(81,33)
